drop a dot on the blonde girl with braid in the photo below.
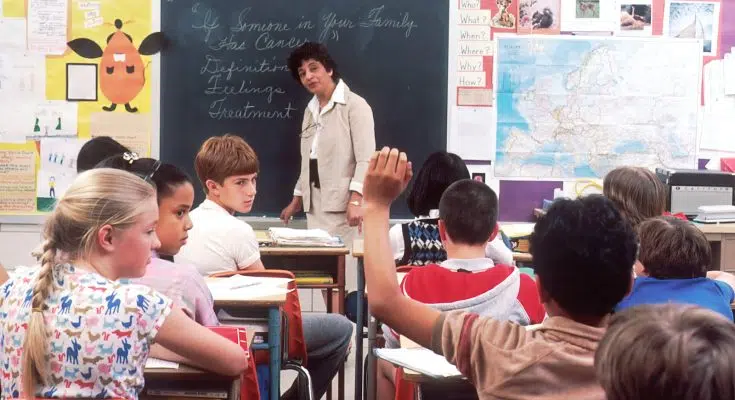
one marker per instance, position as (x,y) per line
(69,329)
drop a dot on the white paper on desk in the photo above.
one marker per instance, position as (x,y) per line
(161,364)
(47,26)
(420,360)
(240,287)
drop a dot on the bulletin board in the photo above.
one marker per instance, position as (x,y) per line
(54,99)
(522,78)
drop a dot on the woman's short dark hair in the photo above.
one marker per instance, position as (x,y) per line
(439,171)
(311,51)
(96,150)
(165,177)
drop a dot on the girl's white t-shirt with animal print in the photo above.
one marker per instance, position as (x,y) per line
(100,332)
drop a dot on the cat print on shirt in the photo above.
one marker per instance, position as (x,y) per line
(99,333)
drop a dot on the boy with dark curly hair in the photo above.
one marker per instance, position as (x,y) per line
(584,253)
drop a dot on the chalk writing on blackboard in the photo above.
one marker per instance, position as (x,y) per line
(243,47)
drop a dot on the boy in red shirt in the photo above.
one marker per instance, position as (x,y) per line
(467,280)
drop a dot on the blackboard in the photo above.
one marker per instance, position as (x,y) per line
(224,71)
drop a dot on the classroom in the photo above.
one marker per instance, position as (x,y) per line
(547,184)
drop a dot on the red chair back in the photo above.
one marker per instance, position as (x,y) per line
(249,389)
(291,309)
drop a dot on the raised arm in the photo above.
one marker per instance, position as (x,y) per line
(387,175)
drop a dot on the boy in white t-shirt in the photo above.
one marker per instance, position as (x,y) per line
(228,170)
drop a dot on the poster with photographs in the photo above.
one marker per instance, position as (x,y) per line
(635,18)
(539,16)
(693,20)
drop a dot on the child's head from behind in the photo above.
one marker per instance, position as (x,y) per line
(105,221)
(468,214)
(440,170)
(228,169)
(669,351)
(583,252)
(637,192)
(174,193)
(96,150)
(673,249)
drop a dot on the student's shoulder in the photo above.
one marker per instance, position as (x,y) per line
(207,220)
(21,280)
(724,288)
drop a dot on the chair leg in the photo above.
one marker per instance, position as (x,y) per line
(303,378)
(341,382)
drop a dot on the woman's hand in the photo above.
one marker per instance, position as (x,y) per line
(354,210)
(292,208)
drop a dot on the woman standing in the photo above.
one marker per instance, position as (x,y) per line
(337,140)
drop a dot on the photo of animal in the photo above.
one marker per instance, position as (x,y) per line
(539,16)
(635,17)
(122,72)
(588,8)
(503,18)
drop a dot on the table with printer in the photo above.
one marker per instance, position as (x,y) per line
(708,199)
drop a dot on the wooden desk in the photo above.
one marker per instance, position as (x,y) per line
(268,308)
(168,378)
(722,241)
(330,260)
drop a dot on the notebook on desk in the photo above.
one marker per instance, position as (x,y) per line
(421,360)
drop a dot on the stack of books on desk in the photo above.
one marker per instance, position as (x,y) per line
(715,214)
(304,237)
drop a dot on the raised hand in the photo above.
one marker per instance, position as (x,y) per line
(387,176)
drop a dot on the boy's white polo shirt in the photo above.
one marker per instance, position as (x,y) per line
(219,241)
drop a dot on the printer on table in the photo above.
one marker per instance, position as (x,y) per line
(687,190)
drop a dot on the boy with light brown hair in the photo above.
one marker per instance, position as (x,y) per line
(228,170)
